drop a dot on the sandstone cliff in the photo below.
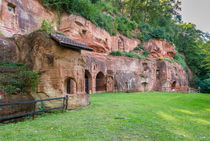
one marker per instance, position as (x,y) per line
(90,72)
(54,63)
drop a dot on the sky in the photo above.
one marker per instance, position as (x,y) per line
(197,12)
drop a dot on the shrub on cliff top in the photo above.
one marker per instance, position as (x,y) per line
(95,13)
(181,60)
(148,32)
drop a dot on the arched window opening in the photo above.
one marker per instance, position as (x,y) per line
(145,85)
(70,86)
(84,32)
(100,82)
(173,86)
(157,74)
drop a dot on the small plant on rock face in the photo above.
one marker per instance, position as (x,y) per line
(20,81)
(128,54)
(117,53)
(1,34)
(146,54)
(160,58)
(140,47)
(165,59)
(48,26)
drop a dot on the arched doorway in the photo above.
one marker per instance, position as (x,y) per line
(70,86)
(173,86)
(100,82)
(87,81)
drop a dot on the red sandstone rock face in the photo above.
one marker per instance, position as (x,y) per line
(55,65)
(27,16)
(82,30)
(171,77)
(160,48)
(129,74)
(116,73)
(8,50)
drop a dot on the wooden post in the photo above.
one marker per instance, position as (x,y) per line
(64,98)
(67,98)
(34,110)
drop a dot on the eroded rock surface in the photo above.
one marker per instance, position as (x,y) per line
(22,16)
(129,75)
(85,72)
(55,65)
(160,48)
(82,30)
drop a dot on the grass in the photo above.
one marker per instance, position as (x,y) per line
(121,117)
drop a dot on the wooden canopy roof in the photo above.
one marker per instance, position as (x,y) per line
(69,43)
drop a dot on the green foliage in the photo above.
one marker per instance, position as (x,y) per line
(139,47)
(15,64)
(165,59)
(1,34)
(20,81)
(156,20)
(205,48)
(48,26)
(10,89)
(94,13)
(148,32)
(106,22)
(131,54)
(125,26)
(190,42)
(128,54)
(181,60)
(145,116)
(146,54)
(28,81)
(202,81)
(116,53)
(41,106)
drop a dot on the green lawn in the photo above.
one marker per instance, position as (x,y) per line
(121,117)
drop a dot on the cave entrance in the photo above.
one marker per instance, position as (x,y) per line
(100,82)
(173,86)
(70,85)
(157,73)
(145,85)
(11,8)
(87,81)
(145,66)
